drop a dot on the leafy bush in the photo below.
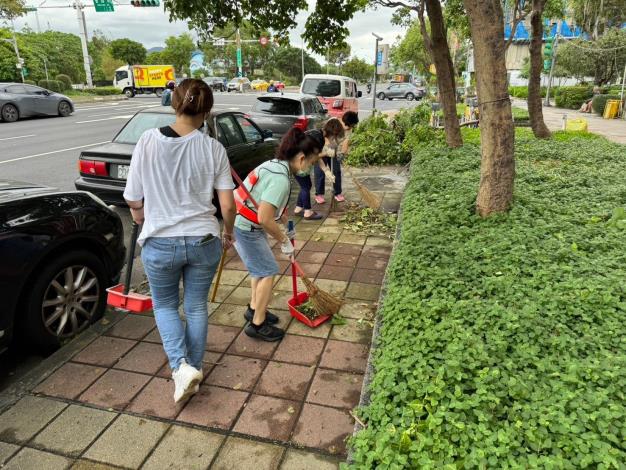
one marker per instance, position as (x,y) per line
(101,91)
(519,92)
(52,85)
(502,339)
(572,97)
(374,143)
(66,80)
(29,82)
(599,102)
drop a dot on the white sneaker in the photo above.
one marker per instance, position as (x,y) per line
(186,381)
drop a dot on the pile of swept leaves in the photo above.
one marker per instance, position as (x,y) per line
(503,340)
(368,221)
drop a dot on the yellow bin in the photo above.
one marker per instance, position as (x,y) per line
(611,109)
(576,125)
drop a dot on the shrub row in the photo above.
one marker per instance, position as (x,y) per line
(101,91)
(52,85)
(599,102)
(502,339)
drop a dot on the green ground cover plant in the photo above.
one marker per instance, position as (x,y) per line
(503,340)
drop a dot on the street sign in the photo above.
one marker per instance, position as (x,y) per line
(103,5)
(382,59)
(219,42)
(238,58)
(264,41)
(30,9)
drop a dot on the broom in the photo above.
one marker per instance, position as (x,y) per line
(324,303)
(371,200)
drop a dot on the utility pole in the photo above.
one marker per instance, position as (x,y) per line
(82,29)
(556,42)
(303,58)
(239,61)
(378,38)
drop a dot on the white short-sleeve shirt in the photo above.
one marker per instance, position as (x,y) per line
(176,176)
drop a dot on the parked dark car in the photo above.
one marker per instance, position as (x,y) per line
(216,83)
(60,250)
(401,91)
(280,112)
(103,169)
(19,101)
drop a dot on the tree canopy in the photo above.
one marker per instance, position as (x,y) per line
(131,52)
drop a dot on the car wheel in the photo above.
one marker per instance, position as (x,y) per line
(67,296)
(410,96)
(129,92)
(64,109)
(10,113)
(381,96)
(159,92)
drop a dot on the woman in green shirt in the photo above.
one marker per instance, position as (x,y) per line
(269,185)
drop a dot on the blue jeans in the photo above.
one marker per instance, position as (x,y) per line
(165,261)
(320,177)
(304,198)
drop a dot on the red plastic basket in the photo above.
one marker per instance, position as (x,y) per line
(301,298)
(132,301)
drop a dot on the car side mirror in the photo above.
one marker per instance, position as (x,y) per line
(267,134)
(359,94)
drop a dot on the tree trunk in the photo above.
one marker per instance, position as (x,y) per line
(535,109)
(497,137)
(445,73)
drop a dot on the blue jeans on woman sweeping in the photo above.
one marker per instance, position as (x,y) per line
(304,198)
(165,261)
(320,177)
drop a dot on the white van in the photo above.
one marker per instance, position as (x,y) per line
(338,93)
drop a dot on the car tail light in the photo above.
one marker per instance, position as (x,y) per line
(338,104)
(302,123)
(93,167)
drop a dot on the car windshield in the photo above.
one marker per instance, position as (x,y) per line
(141,123)
(278,106)
(321,87)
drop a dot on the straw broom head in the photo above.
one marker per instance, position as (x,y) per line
(371,199)
(323,302)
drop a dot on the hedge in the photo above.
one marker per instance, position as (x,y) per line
(66,80)
(599,102)
(573,97)
(101,91)
(52,85)
(502,339)
(30,82)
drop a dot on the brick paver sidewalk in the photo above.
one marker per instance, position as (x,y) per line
(262,405)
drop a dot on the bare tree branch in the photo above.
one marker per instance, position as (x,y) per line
(428,43)
(518,16)
(395,4)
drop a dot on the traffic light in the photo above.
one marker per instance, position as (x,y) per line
(145,3)
(548,53)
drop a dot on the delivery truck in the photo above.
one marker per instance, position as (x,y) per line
(138,79)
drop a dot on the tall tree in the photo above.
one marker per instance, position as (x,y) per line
(11,9)
(131,52)
(535,107)
(339,55)
(410,51)
(358,69)
(596,16)
(178,51)
(497,169)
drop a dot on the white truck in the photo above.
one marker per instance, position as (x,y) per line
(138,79)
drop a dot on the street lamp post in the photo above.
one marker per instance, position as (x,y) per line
(378,38)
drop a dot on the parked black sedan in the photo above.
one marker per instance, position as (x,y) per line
(59,252)
(19,101)
(103,169)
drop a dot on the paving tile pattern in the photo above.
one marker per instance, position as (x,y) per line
(261,405)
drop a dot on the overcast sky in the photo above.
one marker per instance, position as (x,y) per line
(151,26)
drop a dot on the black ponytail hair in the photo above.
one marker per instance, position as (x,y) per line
(296,141)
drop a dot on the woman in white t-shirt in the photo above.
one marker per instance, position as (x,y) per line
(173,174)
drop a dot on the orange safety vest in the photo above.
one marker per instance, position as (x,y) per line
(242,197)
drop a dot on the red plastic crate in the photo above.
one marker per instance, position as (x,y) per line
(301,298)
(132,301)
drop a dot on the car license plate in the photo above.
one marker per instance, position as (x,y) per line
(122,171)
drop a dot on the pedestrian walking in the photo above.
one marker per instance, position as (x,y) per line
(269,186)
(329,166)
(174,171)
(166,97)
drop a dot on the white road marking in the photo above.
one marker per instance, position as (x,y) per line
(116,111)
(53,152)
(18,137)
(127,116)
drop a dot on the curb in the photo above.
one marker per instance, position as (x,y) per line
(97,99)
(49,365)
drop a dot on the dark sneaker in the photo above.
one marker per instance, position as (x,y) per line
(266,332)
(269,316)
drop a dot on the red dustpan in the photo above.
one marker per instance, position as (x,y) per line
(119,295)
(300,298)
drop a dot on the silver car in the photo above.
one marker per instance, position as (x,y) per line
(18,100)
(240,84)
(407,91)
(279,112)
